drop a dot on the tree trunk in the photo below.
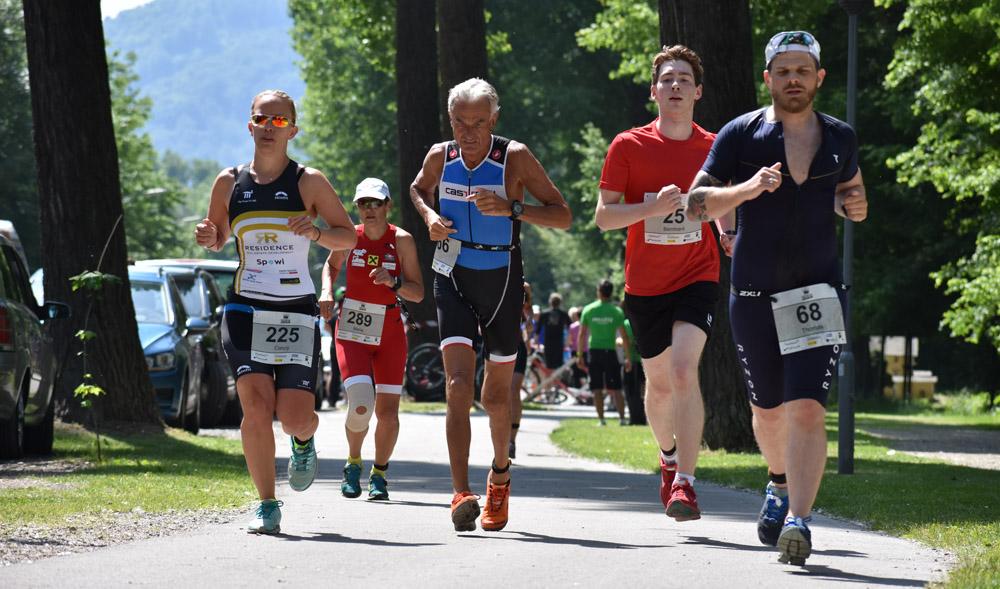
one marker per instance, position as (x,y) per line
(728,93)
(417,116)
(462,46)
(80,202)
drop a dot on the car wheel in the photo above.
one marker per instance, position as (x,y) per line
(193,420)
(38,438)
(12,432)
(214,407)
(179,419)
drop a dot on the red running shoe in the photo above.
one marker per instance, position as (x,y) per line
(464,511)
(683,504)
(495,512)
(667,474)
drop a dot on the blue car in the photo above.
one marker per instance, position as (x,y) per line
(172,348)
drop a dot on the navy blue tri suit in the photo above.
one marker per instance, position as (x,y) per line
(485,291)
(786,239)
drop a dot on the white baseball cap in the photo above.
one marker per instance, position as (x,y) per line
(371,188)
(791,41)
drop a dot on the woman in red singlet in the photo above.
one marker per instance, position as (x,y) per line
(371,344)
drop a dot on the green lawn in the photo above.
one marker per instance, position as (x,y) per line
(951,507)
(152,471)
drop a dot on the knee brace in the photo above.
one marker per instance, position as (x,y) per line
(360,402)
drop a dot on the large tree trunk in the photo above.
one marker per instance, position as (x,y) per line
(728,92)
(417,117)
(80,202)
(462,46)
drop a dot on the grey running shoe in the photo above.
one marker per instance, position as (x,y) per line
(268,518)
(302,465)
(795,541)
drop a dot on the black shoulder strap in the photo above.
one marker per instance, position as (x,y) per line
(301,170)
(498,151)
(451,151)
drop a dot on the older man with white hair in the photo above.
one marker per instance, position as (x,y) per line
(481,179)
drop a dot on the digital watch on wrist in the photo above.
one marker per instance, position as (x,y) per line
(516,209)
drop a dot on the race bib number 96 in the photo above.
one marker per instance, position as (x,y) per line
(282,338)
(445,256)
(808,317)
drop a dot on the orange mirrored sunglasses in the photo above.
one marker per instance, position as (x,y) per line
(279,121)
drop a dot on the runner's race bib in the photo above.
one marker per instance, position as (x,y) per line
(445,256)
(361,322)
(675,229)
(808,317)
(282,338)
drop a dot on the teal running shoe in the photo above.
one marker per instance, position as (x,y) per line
(772,514)
(351,487)
(378,488)
(268,518)
(302,465)
(795,541)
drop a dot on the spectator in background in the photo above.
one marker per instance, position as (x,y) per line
(573,333)
(553,323)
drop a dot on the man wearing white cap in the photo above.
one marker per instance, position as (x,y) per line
(786,169)
(371,345)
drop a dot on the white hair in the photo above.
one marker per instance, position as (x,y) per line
(472,90)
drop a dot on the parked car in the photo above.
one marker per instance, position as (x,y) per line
(173,351)
(224,272)
(27,361)
(204,303)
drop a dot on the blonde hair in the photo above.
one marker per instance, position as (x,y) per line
(280,94)
(472,90)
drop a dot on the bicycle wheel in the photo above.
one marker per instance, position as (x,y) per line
(529,386)
(425,376)
(552,396)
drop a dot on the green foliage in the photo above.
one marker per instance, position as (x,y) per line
(150,198)
(630,29)
(92,282)
(949,58)
(348,116)
(18,199)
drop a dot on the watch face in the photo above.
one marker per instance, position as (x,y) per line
(516,208)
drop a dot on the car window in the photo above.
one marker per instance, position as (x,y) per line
(7,288)
(190,294)
(175,300)
(150,302)
(211,293)
(20,277)
(224,280)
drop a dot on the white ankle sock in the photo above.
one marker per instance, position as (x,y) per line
(685,477)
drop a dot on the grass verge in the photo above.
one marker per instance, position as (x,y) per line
(952,507)
(154,471)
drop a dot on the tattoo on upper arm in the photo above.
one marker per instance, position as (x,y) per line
(696,198)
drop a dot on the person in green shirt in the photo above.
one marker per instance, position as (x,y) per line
(599,323)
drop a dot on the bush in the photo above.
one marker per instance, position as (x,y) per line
(966,403)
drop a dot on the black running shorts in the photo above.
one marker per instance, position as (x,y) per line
(237,331)
(772,379)
(482,301)
(652,318)
(605,370)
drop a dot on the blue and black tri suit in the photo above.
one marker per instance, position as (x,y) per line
(485,290)
(786,239)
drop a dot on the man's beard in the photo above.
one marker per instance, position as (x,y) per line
(794,104)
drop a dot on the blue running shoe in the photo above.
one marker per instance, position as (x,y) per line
(302,465)
(351,487)
(772,514)
(795,541)
(268,518)
(378,488)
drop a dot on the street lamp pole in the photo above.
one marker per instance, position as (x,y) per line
(845,386)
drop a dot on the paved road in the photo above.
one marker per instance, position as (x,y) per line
(573,523)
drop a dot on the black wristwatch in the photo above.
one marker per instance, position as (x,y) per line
(397,284)
(516,208)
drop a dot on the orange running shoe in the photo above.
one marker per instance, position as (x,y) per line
(667,474)
(464,511)
(495,511)
(683,504)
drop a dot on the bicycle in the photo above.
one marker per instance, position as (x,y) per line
(548,385)
(425,375)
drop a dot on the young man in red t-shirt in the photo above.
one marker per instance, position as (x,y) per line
(671,265)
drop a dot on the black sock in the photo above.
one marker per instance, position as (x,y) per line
(382,467)
(777,479)
(301,442)
(515,425)
(501,470)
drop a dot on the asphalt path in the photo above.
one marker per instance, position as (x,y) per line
(573,523)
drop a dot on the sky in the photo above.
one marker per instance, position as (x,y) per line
(111,8)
